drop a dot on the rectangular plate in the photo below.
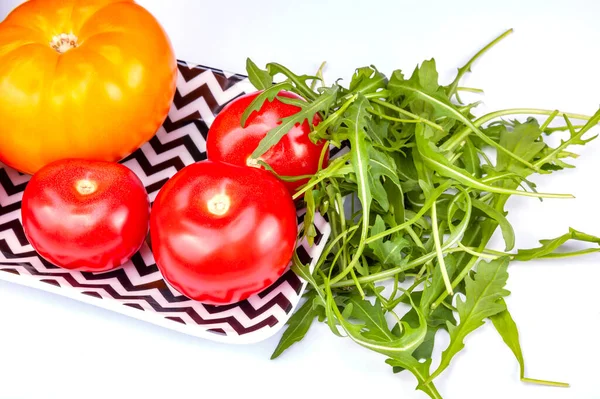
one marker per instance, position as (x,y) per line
(137,288)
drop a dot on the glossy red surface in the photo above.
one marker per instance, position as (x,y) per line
(221,232)
(293,155)
(85,215)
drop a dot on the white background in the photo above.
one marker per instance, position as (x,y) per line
(51,347)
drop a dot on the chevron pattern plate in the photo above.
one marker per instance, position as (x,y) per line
(137,289)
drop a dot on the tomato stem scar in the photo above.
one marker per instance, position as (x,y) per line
(64,42)
(86,187)
(219,204)
(252,162)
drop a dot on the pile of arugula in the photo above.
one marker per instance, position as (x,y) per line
(413,200)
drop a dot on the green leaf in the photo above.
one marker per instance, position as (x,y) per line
(443,107)
(259,78)
(298,325)
(367,80)
(381,165)
(268,94)
(471,159)
(522,140)
(378,131)
(507,328)
(428,76)
(396,198)
(299,80)
(309,229)
(397,349)
(549,246)
(322,103)
(356,119)
(388,252)
(434,289)
(508,232)
(482,295)
(436,161)
(576,139)
(372,317)
(419,370)
(425,350)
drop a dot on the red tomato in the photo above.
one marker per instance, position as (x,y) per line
(221,232)
(85,215)
(294,155)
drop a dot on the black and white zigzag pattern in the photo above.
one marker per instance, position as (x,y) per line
(201,94)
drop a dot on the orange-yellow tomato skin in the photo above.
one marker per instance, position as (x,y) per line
(99,100)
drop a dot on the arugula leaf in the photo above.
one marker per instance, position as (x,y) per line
(298,325)
(549,246)
(507,328)
(381,165)
(432,290)
(522,140)
(425,350)
(419,369)
(367,80)
(397,349)
(396,213)
(482,294)
(259,78)
(451,89)
(441,165)
(443,107)
(508,233)
(356,120)
(414,175)
(268,94)
(299,80)
(373,318)
(575,139)
(428,76)
(308,111)
(309,217)
(388,252)
(471,159)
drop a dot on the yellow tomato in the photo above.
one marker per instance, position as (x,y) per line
(81,79)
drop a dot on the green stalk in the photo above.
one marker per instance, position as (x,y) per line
(438,248)
(458,137)
(467,67)
(383,275)
(407,113)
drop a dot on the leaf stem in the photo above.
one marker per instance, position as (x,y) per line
(469,89)
(407,113)
(574,137)
(393,119)
(467,67)
(391,272)
(456,139)
(463,273)
(438,248)
(325,173)
(544,382)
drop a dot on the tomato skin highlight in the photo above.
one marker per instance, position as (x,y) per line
(294,155)
(221,233)
(85,215)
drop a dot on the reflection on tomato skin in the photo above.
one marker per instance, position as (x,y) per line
(294,155)
(221,233)
(85,215)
